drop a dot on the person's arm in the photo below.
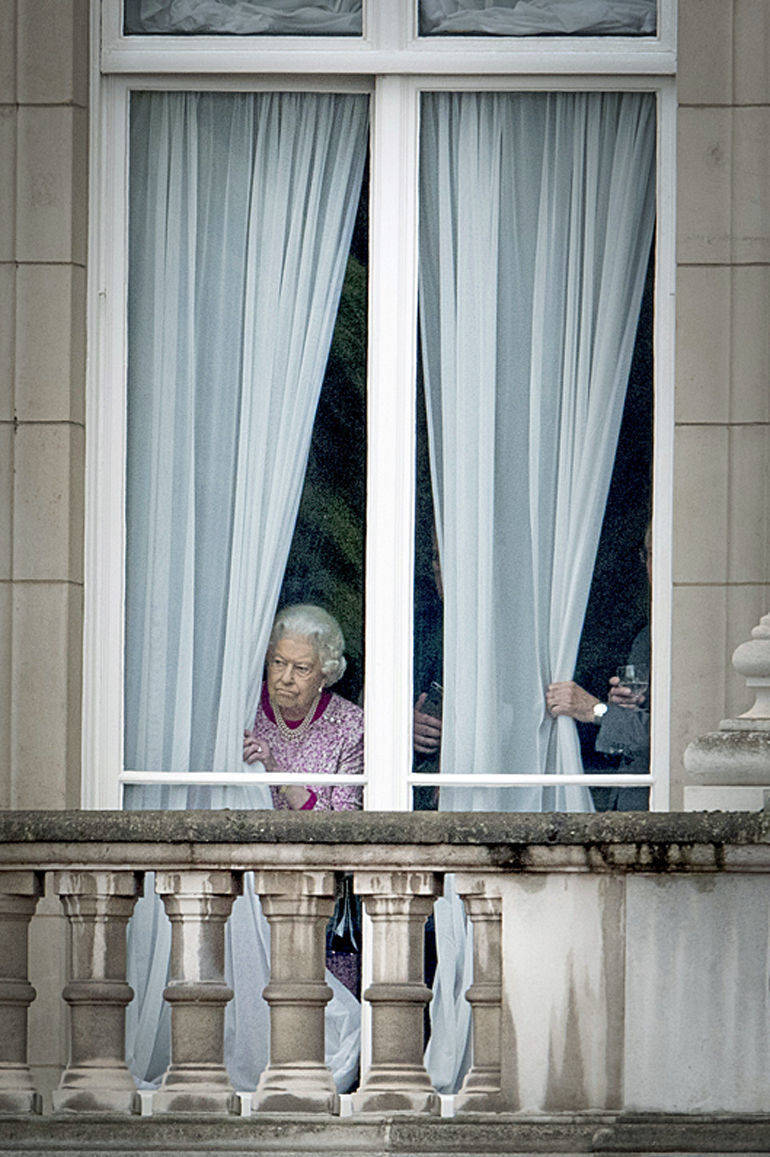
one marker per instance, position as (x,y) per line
(624,730)
(626,726)
(346,796)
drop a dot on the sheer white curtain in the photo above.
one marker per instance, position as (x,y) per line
(537,214)
(538,17)
(242,208)
(245,17)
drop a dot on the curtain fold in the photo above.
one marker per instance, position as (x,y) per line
(537,213)
(242,209)
(244,17)
(538,17)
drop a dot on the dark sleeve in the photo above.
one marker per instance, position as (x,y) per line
(624,730)
(639,654)
(627,729)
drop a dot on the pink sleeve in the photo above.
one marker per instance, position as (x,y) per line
(346,796)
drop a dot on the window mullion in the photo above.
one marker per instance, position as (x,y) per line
(391,407)
(389,24)
(663,442)
(102,748)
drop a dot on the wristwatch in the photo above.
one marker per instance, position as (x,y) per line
(600,710)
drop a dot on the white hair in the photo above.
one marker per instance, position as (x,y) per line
(321,628)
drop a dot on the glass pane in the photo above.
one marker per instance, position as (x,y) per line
(616,630)
(534,443)
(528,799)
(326,560)
(538,17)
(242,211)
(243,17)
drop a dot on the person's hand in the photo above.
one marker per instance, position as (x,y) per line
(426,730)
(570,699)
(295,795)
(623,696)
(256,750)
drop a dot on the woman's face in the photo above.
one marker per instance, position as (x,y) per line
(294,675)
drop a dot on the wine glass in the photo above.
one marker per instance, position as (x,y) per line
(636,679)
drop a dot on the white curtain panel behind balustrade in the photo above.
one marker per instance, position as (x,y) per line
(537,215)
(538,17)
(245,17)
(242,209)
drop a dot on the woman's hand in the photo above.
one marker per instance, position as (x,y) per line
(295,795)
(256,750)
(570,699)
(426,729)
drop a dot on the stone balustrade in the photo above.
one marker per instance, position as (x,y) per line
(581,925)
(98,904)
(730,768)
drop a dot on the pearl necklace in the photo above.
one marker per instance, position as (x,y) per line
(295,732)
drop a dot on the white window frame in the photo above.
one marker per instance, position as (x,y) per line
(395,71)
(386,48)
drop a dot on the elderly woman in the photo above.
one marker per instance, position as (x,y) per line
(301,725)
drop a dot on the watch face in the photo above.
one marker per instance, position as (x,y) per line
(600,710)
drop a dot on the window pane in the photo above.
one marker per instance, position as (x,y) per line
(242,209)
(243,17)
(326,560)
(615,629)
(616,625)
(527,799)
(538,17)
(537,215)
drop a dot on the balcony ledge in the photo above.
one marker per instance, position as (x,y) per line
(503,1135)
(510,842)
(634,979)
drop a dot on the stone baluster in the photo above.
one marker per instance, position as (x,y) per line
(198,903)
(399,904)
(19,894)
(297,906)
(98,905)
(482,1090)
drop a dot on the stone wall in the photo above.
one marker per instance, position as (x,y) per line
(722,450)
(721,574)
(44,194)
(43,221)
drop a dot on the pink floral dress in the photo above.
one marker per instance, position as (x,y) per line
(334,742)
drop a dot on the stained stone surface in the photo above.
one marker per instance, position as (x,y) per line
(506,1135)
(502,831)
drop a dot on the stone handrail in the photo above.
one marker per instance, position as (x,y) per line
(520,838)
(94,861)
